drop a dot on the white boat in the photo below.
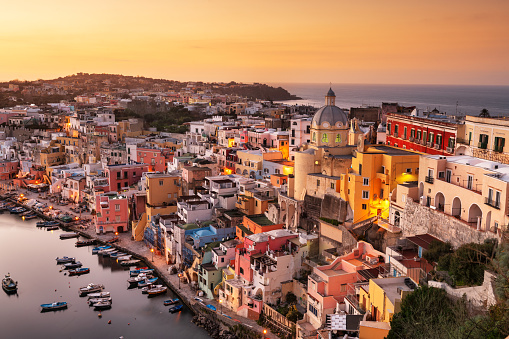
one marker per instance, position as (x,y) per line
(98,295)
(157,290)
(90,288)
(145,289)
(108,250)
(124,258)
(94,301)
(102,305)
(69,235)
(130,262)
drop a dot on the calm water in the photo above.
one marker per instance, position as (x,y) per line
(29,253)
(470,99)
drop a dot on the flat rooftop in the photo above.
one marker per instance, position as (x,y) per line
(260,219)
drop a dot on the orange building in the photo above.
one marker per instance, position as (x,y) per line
(255,224)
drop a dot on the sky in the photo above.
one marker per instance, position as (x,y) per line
(277,41)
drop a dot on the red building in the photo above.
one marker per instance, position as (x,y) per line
(155,158)
(124,175)
(424,135)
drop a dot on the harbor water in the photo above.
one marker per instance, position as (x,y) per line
(28,253)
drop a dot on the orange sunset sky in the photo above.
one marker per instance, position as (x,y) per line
(365,41)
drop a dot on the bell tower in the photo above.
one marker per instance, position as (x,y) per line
(330,98)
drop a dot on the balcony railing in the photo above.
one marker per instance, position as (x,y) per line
(395,134)
(429,144)
(449,150)
(492,203)
(437,146)
(429,180)
(411,139)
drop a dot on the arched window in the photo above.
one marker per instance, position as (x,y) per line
(338,137)
(325,138)
(314,136)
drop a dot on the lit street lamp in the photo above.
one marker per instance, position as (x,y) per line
(180,276)
(152,250)
(264,333)
(221,303)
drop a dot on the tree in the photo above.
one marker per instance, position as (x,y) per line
(436,250)
(484,113)
(291,298)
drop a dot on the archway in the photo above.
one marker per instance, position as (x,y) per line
(238,171)
(291,216)
(487,226)
(397,218)
(421,189)
(475,216)
(456,208)
(439,201)
(245,172)
(259,294)
(120,229)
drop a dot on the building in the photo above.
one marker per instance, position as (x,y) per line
(255,224)
(122,176)
(112,213)
(193,177)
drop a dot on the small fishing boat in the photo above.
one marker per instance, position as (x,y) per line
(117,254)
(66,218)
(171,301)
(93,301)
(59,305)
(72,265)
(90,288)
(106,250)
(81,243)
(145,289)
(69,235)
(30,216)
(47,223)
(96,250)
(65,260)
(9,285)
(52,228)
(124,257)
(141,270)
(113,240)
(147,282)
(102,305)
(98,295)
(130,262)
(109,253)
(17,210)
(79,271)
(157,291)
(212,307)
(137,279)
(175,308)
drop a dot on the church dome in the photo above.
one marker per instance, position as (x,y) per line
(330,115)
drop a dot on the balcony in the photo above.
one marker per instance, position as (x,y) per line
(429,144)
(437,146)
(492,203)
(429,180)
(411,139)
(449,150)
(395,134)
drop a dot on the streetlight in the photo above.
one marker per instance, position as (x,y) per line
(180,276)
(221,303)
(152,250)
(264,333)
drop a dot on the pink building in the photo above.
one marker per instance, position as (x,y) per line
(8,169)
(112,213)
(327,285)
(124,175)
(155,158)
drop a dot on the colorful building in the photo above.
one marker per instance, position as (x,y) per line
(112,213)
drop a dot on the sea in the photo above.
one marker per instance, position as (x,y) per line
(449,99)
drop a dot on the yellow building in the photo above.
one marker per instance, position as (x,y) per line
(382,298)
(163,191)
(255,200)
(53,155)
(250,163)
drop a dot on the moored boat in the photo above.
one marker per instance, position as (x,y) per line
(124,257)
(95,250)
(47,223)
(17,210)
(157,291)
(79,271)
(9,285)
(145,289)
(30,216)
(117,254)
(90,288)
(87,242)
(93,301)
(171,301)
(52,228)
(175,308)
(112,240)
(109,253)
(138,271)
(69,235)
(98,295)
(65,260)
(71,265)
(130,262)
(59,305)
(137,279)
(106,250)
(147,282)
(102,305)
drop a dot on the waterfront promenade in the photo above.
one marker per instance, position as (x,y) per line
(142,251)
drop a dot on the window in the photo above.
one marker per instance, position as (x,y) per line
(497,199)
(241,270)
(448,174)
(408,170)
(338,137)
(389,128)
(365,194)
(483,141)
(318,183)
(365,181)
(396,128)
(222,259)
(161,182)
(439,141)
(325,138)
(117,207)
(441,174)
(360,169)
(364,206)
(314,136)
(451,142)
(313,310)
(418,135)
(332,185)
(404,132)
(343,288)
(499,144)
(412,133)
(470,182)
(117,218)
(381,193)
(383,169)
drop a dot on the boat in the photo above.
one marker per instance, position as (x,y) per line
(139,278)
(124,257)
(130,262)
(157,291)
(171,301)
(81,243)
(30,216)
(9,285)
(79,271)
(138,271)
(52,228)
(113,240)
(145,289)
(69,235)
(65,260)
(117,254)
(98,295)
(175,308)
(71,265)
(211,307)
(90,288)
(102,305)
(66,218)
(95,250)
(147,282)
(59,305)
(93,301)
(17,210)
(47,223)
(106,250)
(109,253)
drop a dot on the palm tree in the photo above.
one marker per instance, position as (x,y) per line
(484,113)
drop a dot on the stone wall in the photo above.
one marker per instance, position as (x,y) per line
(419,219)
(333,208)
